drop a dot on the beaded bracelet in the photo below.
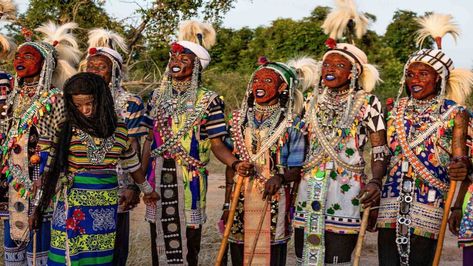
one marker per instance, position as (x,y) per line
(145,187)
(377,182)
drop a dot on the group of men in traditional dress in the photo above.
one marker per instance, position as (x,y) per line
(77,150)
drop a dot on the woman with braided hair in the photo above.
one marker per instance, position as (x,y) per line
(93,141)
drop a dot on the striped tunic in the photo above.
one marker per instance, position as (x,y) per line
(84,220)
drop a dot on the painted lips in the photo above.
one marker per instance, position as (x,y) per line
(416,88)
(20,68)
(329,77)
(176,69)
(260,93)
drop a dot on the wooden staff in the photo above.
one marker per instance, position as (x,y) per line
(258,231)
(361,236)
(228,225)
(34,248)
(443,226)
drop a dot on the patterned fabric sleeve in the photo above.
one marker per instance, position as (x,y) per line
(129,160)
(49,128)
(147,121)
(134,116)
(215,125)
(373,117)
(293,151)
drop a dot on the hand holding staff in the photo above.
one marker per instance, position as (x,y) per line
(361,236)
(228,225)
(443,226)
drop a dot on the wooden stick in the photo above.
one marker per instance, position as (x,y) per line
(361,236)
(228,225)
(443,226)
(34,248)
(260,225)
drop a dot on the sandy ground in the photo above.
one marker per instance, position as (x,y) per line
(211,239)
(140,241)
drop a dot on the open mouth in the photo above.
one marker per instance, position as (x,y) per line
(176,69)
(329,77)
(260,93)
(416,88)
(20,68)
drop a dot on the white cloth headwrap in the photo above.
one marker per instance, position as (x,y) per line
(111,52)
(199,51)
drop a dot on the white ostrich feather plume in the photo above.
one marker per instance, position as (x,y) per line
(436,26)
(66,43)
(189,30)
(336,22)
(7,47)
(7,10)
(107,38)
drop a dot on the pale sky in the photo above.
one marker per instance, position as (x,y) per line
(253,13)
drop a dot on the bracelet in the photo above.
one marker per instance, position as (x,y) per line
(226,206)
(455,208)
(234,164)
(145,187)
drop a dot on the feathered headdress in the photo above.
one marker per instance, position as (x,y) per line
(60,52)
(308,74)
(7,47)
(107,38)
(455,83)
(7,10)
(197,32)
(436,26)
(344,19)
(198,38)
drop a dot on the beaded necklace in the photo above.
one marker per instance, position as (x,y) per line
(19,127)
(97,148)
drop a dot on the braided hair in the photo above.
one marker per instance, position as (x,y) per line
(102,124)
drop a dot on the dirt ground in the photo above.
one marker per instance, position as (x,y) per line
(211,239)
(140,241)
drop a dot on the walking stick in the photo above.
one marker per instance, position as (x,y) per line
(260,225)
(228,225)
(443,226)
(361,236)
(34,248)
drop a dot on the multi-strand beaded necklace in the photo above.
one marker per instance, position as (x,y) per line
(19,127)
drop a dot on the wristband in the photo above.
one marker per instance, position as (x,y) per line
(145,187)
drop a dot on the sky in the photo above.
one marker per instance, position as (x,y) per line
(253,13)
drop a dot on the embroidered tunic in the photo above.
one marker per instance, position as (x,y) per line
(178,171)
(84,220)
(289,151)
(465,238)
(433,151)
(342,209)
(33,132)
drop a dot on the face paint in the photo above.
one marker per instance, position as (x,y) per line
(421,81)
(265,85)
(336,70)
(84,103)
(28,62)
(181,66)
(100,65)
